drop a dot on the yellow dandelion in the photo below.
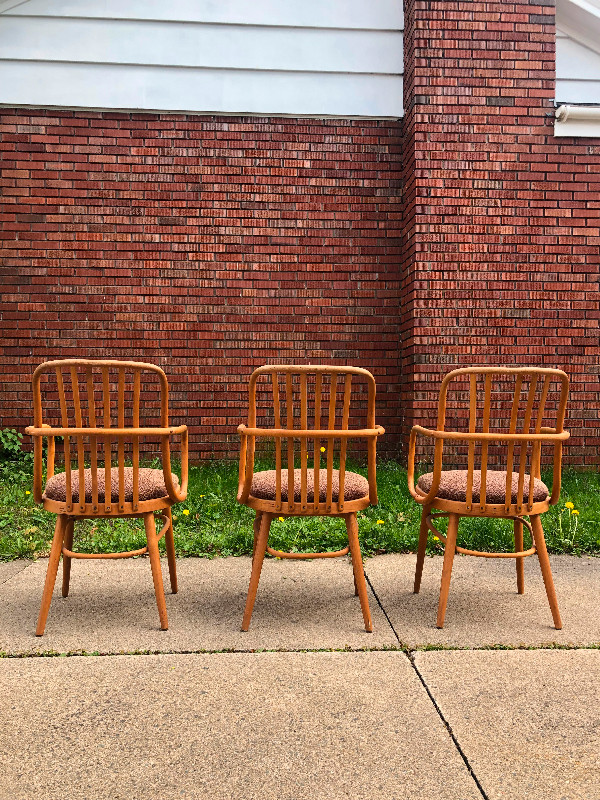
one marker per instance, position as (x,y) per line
(380,522)
(574,511)
(202,495)
(569,505)
(280,519)
(322,449)
(435,539)
(27,492)
(185,512)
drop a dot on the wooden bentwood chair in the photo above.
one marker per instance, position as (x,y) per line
(83,389)
(307,490)
(491,493)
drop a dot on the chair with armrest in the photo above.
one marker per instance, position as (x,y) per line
(537,394)
(84,390)
(308,490)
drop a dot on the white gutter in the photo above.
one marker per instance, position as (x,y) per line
(577,121)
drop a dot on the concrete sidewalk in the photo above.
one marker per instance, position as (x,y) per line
(379,718)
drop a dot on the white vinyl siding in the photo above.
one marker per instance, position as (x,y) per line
(311,58)
(577,71)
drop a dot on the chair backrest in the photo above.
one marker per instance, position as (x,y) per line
(497,401)
(91,397)
(312,405)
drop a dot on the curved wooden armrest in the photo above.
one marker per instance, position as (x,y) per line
(244,475)
(37,462)
(493,437)
(175,495)
(291,433)
(437,468)
(106,433)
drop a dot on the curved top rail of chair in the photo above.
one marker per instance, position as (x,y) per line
(483,370)
(298,369)
(97,362)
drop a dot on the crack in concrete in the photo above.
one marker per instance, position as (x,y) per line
(12,574)
(411,658)
(446,724)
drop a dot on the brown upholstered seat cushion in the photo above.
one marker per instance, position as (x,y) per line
(151,485)
(453,486)
(355,486)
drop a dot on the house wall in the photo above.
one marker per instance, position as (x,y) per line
(469,234)
(298,57)
(209,246)
(502,218)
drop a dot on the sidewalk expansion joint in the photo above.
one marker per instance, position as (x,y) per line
(408,651)
(225,651)
(448,728)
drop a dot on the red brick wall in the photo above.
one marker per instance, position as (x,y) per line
(502,218)
(206,245)
(227,243)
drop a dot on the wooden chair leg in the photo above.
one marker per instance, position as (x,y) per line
(542,552)
(68,543)
(257,562)
(357,567)
(257,519)
(156,570)
(423,533)
(449,551)
(170,547)
(55,551)
(518,528)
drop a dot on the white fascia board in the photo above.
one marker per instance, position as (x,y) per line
(577,121)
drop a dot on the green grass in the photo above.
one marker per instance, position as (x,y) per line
(217,525)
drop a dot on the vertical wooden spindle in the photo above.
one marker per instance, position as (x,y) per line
(107,443)
(289,407)
(121,442)
(93,439)
(67,439)
(79,438)
(472,428)
(330,441)
(487,398)
(344,442)
(317,448)
(303,442)
(514,415)
(525,445)
(277,409)
(136,440)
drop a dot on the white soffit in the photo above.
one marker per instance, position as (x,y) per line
(580,19)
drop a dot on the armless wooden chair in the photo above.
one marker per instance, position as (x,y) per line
(308,490)
(87,412)
(525,397)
